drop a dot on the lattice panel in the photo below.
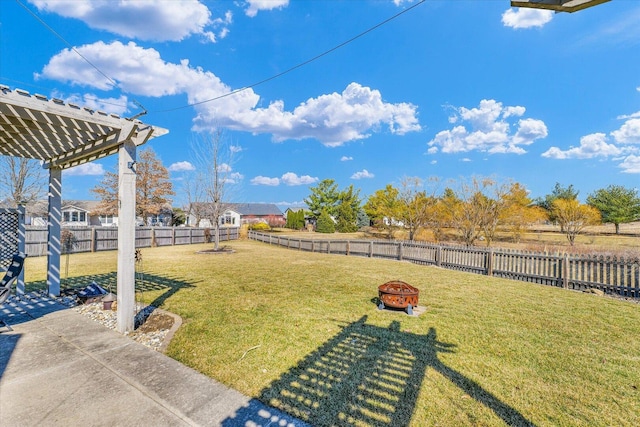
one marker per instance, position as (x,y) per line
(9,222)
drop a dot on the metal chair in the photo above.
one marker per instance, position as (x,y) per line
(17,262)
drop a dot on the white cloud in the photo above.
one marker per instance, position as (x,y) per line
(181,167)
(291,178)
(332,119)
(141,19)
(433,162)
(224,168)
(593,145)
(265,180)
(526,18)
(108,105)
(362,174)
(235,148)
(346,158)
(465,159)
(635,115)
(629,132)
(85,169)
(400,2)
(487,129)
(625,146)
(257,5)
(234,178)
(631,164)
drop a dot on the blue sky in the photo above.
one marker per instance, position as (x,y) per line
(448,89)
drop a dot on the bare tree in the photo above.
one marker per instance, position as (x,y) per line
(153,188)
(21,180)
(470,208)
(213,160)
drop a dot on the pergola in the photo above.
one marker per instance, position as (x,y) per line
(63,135)
(558,5)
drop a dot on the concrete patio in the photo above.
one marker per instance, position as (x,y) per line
(60,368)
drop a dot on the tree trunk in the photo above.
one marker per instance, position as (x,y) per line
(617,228)
(216,238)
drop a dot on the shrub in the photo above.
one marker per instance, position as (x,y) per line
(325,223)
(260,226)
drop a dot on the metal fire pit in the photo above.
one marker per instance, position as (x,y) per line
(398,294)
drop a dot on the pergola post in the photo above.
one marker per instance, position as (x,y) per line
(54,229)
(126,236)
(22,238)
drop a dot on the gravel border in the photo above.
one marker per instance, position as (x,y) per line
(157,340)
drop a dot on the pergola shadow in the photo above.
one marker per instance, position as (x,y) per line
(146,283)
(370,376)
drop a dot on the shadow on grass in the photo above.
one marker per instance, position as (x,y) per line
(108,281)
(371,376)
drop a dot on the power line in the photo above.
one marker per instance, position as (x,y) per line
(70,46)
(302,64)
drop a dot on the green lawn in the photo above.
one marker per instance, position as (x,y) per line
(301,332)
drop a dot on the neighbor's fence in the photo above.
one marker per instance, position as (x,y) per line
(95,239)
(613,275)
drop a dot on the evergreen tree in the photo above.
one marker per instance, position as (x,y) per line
(362,219)
(325,223)
(346,218)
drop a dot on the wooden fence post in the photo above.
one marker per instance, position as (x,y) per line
(400,250)
(93,239)
(371,249)
(328,246)
(348,247)
(564,271)
(489,262)
(439,256)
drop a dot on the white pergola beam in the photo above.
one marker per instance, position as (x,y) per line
(105,144)
(557,5)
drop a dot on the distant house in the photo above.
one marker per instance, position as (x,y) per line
(236,214)
(310,220)
(75,213)
(82,213)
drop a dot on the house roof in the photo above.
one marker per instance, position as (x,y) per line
(40,207)
(258,209)
(84,205)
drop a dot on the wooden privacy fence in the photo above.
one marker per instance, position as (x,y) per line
(613,275)
(94,239)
